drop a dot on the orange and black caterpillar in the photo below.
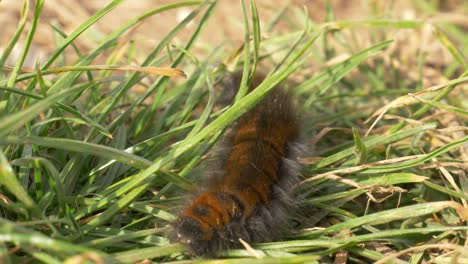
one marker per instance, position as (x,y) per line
(248,192)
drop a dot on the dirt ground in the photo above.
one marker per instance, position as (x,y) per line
(223,26)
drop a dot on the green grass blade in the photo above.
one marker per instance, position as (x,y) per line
(386,216)
(19,119)
(37,11)
(10,181)
(14,39)
(371,143)
(81,147)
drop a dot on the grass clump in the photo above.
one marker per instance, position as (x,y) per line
(95,153)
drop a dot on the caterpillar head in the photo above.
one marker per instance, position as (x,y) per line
(198,239)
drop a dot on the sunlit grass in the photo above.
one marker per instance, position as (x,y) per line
(92,171)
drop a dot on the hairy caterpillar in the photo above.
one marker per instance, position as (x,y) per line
(247,194)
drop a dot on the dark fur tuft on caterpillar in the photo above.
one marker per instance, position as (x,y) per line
(247,193)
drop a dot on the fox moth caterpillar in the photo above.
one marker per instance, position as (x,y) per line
(247,193)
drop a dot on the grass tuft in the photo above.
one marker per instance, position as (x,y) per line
(99,145)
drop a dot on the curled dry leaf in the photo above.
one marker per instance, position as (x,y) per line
(166,71)
(410,99)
